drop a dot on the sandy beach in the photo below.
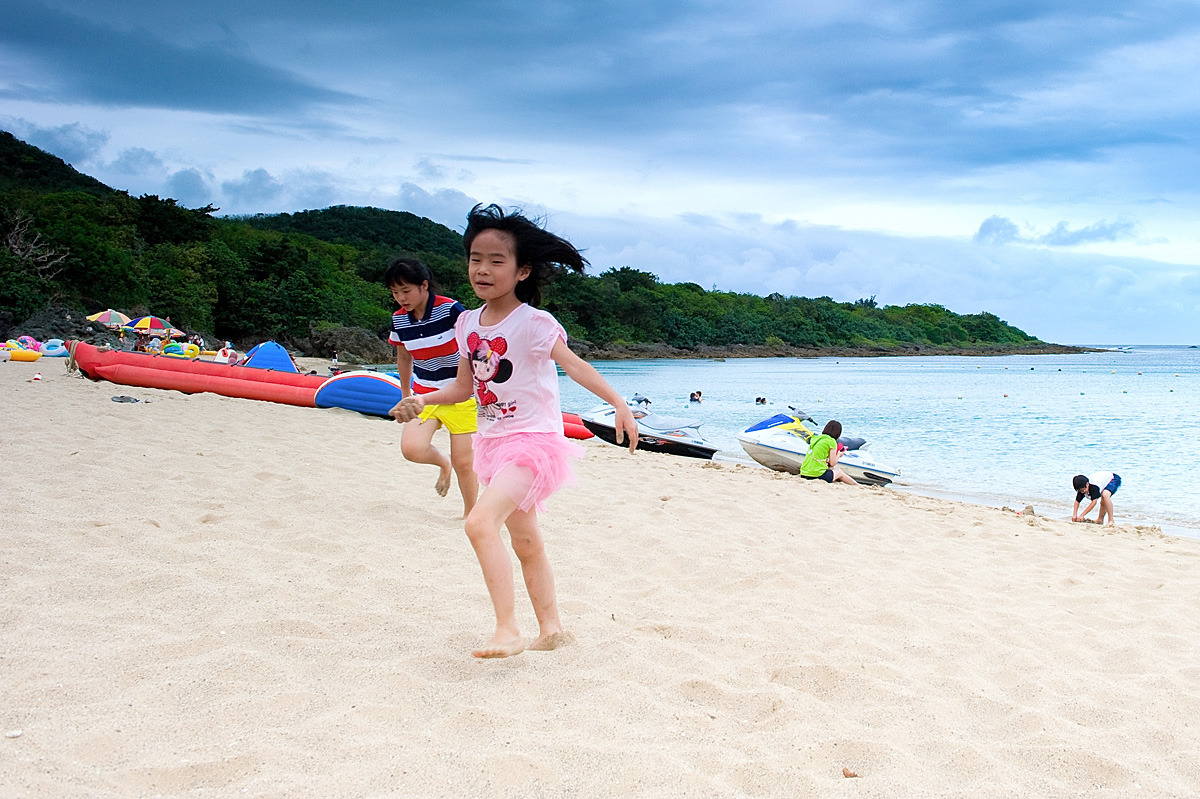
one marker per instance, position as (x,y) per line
(204,596)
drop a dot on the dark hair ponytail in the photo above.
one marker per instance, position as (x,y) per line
(546,254)
(411,271)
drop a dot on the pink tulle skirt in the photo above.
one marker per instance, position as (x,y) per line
(530,467)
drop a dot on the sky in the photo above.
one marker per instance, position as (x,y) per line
(1037,160)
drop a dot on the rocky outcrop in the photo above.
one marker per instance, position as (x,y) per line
(60,321)
(351,344)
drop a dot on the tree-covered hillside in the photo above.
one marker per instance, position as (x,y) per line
(69,238)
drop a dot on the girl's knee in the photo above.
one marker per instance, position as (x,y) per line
(477,526)
(463,462)
(527,547)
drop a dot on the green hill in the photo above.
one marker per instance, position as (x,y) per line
(365,228)
(23,166)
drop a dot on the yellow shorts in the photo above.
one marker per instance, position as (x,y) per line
(458,418)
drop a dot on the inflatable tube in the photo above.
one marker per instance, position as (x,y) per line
(194,376)
(373,393)
(176,350)
(573,427)
(54,348)
(29,343)
(376,393)
(23,355)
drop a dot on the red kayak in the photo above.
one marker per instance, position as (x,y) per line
(193,376)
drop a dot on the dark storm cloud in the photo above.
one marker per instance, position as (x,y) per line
(82,61)
(919,88)
(933,85)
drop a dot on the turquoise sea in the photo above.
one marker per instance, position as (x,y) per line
(1008,430)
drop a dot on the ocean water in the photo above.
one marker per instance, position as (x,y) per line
(1006,430)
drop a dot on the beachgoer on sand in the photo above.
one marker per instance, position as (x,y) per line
(820,463)
(508,350)
(1099,488)
(426,360)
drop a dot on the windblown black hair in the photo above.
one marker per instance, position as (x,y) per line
(546,254)
(411,271)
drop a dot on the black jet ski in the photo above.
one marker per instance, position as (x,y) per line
(673,435)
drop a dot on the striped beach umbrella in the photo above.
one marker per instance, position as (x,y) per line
(153,325)
(109,318)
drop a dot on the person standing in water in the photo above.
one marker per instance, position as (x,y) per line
(427,360)
(507,355)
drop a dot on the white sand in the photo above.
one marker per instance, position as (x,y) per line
(203,596)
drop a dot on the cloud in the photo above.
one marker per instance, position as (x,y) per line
(997,230)
(254,187)
(82,61)
(136,161)
(447,206)
(74,142)
(428,170)
(190,188)
(1063,236)
(1001,230)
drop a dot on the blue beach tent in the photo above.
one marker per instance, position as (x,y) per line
(270,355)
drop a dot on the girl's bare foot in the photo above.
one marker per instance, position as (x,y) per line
(545,643)
(443,484)
(504,648)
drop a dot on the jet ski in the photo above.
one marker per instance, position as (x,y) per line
(671,434)
(781,442)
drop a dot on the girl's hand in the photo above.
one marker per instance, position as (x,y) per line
(625,426)
(407,409)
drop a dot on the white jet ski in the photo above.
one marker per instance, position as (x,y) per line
(671,434)
(781,442)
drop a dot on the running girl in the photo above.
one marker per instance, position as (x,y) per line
(507,352)
(427,359)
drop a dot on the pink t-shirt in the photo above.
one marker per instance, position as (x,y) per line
(516,382)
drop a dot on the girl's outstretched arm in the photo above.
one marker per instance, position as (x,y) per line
(586,375)
(410,407)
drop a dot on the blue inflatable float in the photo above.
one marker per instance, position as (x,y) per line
(363,391)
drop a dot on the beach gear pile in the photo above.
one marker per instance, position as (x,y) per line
(27,348)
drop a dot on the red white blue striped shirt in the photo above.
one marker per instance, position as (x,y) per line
(430,342)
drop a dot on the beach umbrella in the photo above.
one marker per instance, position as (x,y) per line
(152,325)
(109,318)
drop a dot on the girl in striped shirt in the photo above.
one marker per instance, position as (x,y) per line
(427,360)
